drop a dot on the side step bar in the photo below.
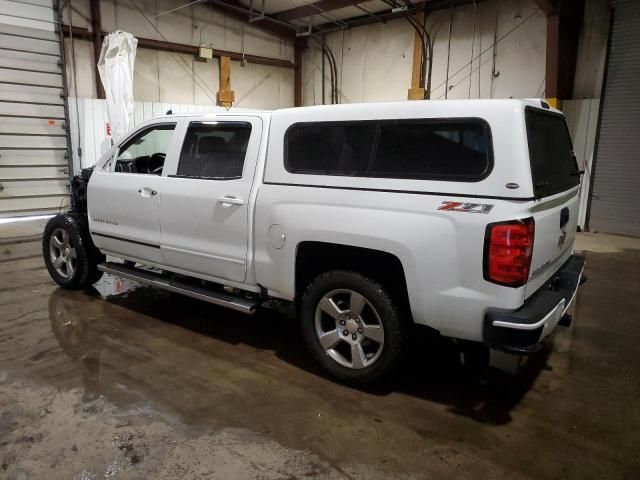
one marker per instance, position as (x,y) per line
(158,280)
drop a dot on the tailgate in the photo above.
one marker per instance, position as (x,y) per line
(555,231)
(556,183)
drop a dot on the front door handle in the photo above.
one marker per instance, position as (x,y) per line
(230,201)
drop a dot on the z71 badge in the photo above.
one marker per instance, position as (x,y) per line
(466,207)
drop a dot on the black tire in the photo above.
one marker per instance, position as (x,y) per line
(390,318)
(87,256)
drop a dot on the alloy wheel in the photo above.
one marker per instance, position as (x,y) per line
(62,253)
(349,328)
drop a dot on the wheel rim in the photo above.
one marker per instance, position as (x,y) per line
(62,253)
(349,329)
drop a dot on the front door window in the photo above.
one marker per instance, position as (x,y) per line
(145,153)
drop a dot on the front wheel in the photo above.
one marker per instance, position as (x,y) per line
(69,254)
(352,327)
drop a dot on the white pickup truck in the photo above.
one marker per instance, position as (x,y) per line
(456,215)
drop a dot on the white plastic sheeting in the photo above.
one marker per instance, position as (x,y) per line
(115,66)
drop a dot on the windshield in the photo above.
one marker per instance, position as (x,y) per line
(553,164)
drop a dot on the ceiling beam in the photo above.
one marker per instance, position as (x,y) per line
(268,23)
(160,45)
(316,8)
(384,15)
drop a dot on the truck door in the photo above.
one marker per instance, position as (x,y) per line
(124,196)
(205,199)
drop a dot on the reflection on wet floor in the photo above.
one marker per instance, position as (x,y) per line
(206,367)
(110,285)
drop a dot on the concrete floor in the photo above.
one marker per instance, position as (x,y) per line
(125,382)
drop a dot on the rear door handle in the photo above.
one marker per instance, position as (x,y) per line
(230,201)
(147,192)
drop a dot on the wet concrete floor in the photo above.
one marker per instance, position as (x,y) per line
(127,382)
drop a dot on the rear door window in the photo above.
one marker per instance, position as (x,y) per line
(214,150)
(553,163)
(429,149)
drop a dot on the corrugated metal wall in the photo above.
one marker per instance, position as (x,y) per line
(33,141)
(615,203)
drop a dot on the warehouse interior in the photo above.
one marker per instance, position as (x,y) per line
(125,382)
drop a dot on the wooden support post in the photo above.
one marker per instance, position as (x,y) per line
(563,30)
(96,37)
(225,95)
(416,92)
(553,61)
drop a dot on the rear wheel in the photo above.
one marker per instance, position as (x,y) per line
(69,254)
(352,327)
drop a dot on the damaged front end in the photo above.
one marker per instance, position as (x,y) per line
(79,185)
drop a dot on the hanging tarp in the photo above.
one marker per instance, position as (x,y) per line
(116,63)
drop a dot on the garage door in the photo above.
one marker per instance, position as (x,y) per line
(34,166)
(615,201)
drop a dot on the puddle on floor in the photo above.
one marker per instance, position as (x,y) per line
(203,367)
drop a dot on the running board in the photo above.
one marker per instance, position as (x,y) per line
(234,302)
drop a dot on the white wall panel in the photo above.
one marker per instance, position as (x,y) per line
(387,61)
(145,76)
(519,57)
(175,77)
(177,26)
(84,69)
(169,77)
(352,66)
(582,119)
(262,86)
(206,73)
(209,27)
(81,13)
(378,58)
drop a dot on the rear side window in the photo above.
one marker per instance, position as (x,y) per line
(432,150)
(553,163)
(457,149)
(330,148)
(214,150)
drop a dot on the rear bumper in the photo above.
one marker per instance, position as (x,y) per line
(522,330)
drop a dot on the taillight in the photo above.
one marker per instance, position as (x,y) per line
(507,252)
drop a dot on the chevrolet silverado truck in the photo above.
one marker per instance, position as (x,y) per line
(369,218)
